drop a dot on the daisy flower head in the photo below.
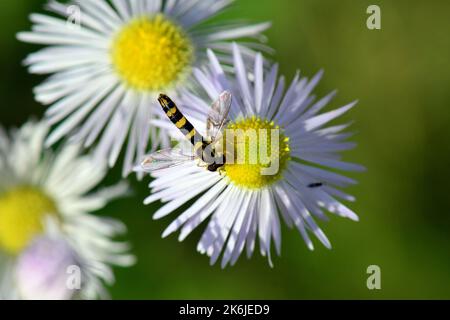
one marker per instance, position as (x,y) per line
(46,225)
(246,197)
(108,60)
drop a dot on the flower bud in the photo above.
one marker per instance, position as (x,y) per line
(45,268)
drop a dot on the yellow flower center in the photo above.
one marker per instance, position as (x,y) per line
(266,151)
(22,210)
(152,53)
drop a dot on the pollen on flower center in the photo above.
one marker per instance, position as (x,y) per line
(22,210)
(152,53)
(265,158)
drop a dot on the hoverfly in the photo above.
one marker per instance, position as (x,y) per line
(204,148)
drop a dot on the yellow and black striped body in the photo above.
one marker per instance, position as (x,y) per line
(200,144)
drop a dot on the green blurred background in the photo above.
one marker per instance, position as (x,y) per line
(400,75)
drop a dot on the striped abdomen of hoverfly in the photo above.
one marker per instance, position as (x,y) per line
(201,147)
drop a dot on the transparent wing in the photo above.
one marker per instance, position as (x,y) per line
(164,159)
(218,115)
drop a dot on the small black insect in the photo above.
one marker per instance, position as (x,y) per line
(315,185)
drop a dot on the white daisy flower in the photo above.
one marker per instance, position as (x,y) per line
(243,204)
(107,71)
(47,195)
